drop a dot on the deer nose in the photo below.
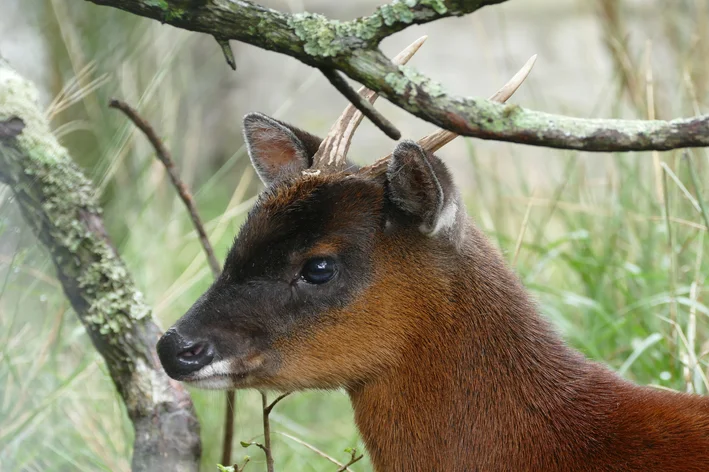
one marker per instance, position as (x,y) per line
(181,357)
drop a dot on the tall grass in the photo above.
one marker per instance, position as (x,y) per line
(612,246)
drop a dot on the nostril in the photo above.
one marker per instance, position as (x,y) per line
(181,357)
(192,351)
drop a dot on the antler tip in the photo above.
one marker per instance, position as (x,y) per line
(421,40)
(532,59)
(404,56)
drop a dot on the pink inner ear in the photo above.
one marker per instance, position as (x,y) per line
(279,153)
(275,149)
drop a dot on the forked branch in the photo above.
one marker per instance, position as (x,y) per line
(351,47)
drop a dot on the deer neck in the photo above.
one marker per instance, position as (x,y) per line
(484,369)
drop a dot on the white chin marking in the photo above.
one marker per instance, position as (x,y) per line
(214,383)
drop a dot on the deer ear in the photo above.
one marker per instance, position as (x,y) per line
(277,150)
(422,188)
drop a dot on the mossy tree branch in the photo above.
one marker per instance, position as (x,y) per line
(352,48)
(58,203)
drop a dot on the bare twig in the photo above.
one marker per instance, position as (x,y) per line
(266,446)
(228,426)
(253,443)
(247,459)
(361,103)
(227,51)
(164,156)
(267,431)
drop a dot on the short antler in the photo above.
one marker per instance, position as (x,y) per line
(333,150)
(436,140)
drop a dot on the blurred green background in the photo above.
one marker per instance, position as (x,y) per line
(611,245)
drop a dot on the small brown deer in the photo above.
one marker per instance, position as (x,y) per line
(374,280)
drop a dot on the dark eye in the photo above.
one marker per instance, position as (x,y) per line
(318,270)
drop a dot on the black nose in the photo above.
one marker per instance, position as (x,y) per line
(181,357)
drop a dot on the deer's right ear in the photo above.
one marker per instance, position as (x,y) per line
(277,150)
(421,187)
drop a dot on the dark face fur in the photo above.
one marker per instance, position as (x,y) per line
(288,310)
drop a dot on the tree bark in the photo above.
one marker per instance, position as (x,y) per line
(352,48)
(58,203)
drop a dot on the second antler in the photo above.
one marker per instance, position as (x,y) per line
(436,140)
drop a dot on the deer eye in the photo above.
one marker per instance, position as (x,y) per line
(318,270)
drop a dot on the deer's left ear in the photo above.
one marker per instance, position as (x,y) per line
(277,150)
(422,188)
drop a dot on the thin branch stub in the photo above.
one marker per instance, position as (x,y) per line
(363,105)
(227,51)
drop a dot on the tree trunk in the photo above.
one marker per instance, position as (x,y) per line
(58,203)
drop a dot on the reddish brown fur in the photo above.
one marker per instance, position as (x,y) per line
(459,372)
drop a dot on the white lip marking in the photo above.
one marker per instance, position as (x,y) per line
(222,367)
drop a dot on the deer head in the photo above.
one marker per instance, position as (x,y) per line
(322,286)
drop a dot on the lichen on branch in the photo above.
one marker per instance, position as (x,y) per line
(65,198)
(352,48)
